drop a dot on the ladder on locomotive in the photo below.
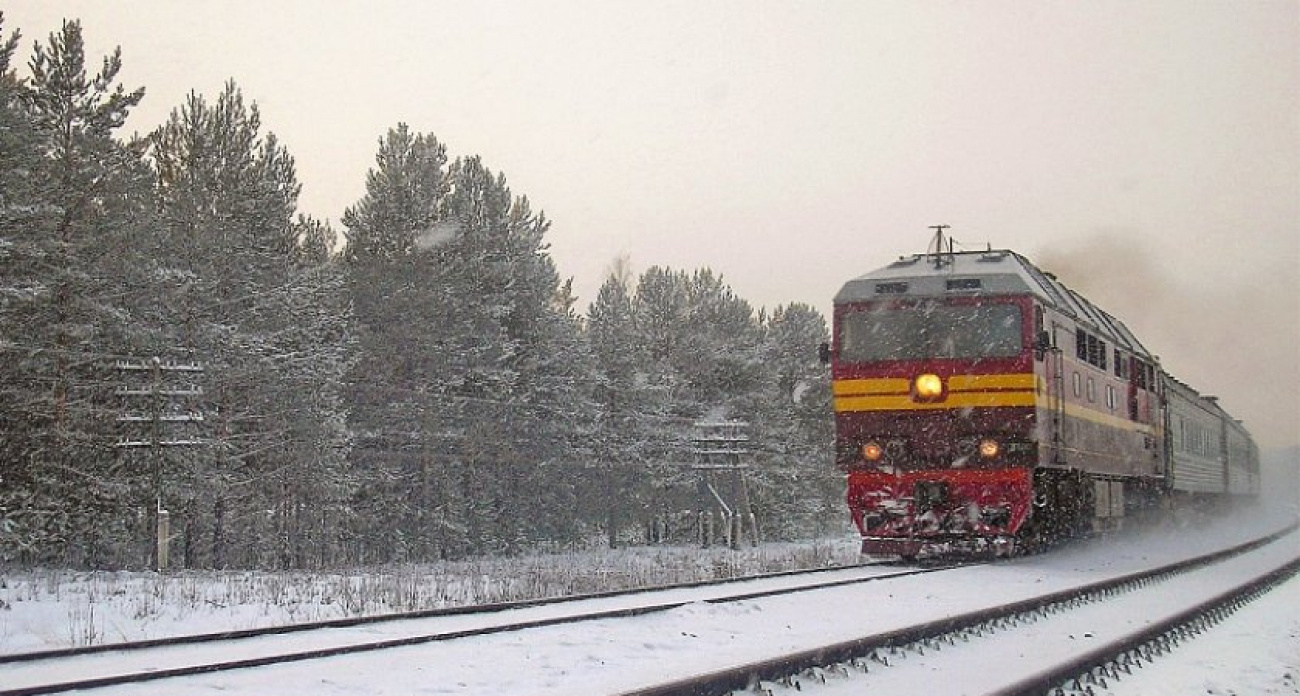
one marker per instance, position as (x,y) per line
(1056,399)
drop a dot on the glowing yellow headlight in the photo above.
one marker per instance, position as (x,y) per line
(928,386)
(989,448)
(872,451)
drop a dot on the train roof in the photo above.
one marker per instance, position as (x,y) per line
(991,272)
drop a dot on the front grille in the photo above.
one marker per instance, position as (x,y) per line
(929,494)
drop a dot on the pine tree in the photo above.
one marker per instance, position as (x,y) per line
(406,501)
(400,210)
(75,208)
(718,353)
(617,456)
(524,362)
(243,296)
(797,486)
(684,349)
(20,497)
(469,398)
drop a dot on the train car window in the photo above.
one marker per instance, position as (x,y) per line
(1110,397)
(1080,344)
(1101,354)
(1077,383)
(1092,391)
(1119,364)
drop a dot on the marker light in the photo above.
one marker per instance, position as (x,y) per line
(872,451)
(928,386)
(989,448)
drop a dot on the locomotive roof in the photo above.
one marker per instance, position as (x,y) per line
(991,272)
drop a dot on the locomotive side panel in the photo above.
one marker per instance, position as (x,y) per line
(1100,411)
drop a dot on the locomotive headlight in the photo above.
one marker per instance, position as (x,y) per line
(989,448)
(872,451)
(928,386)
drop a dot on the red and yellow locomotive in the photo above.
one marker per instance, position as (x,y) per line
(981,405)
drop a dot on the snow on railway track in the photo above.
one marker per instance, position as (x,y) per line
(108,665)
(1067,646)
(620,653)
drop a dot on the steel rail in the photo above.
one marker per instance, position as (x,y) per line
(421,638)
(1160,634)
(743,677)
(351,621)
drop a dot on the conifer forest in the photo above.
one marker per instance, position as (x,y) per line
(417,384)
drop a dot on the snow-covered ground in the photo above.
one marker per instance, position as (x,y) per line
(43,610)
(613,655)
(1254,651)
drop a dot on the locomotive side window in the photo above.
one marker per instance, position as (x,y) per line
(1092,391)
(1094,351)
(1078,382)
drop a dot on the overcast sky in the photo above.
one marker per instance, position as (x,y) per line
(1147,152)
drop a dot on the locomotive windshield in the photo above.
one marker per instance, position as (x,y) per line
(930,330)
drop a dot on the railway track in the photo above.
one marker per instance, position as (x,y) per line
(1169,603)
(57,671)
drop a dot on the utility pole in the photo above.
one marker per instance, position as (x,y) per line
(720,449)
(161,412)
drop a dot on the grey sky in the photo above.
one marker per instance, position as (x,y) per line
(1149,152)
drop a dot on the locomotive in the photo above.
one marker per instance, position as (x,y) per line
(981,405)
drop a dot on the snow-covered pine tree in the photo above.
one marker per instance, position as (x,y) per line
(75,205)
(406,504)
(718,353)
(400,210)
(797,487)
(615,491)
(22,501)
(666,408)
(685,348)
(271,330)
(525,368)
(468,390)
